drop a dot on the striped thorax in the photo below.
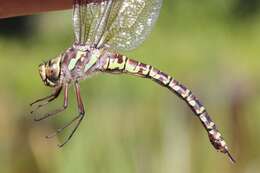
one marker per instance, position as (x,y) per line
(72,65)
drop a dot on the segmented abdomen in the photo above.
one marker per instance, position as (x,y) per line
(117,63)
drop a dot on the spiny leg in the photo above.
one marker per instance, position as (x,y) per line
(47,99)
(54,112)
(59,130)
(79,118)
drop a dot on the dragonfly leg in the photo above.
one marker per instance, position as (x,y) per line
(65,105)
(77,118)
(59,130)
(47,99)
(51,97)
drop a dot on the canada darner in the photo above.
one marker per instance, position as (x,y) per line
(101,28)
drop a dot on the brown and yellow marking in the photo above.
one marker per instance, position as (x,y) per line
(125,65)
(218,142)
(154,73)
(208,123)
(215,134)
(78,56)
(159,76)
(178,88)
(117,63)
(132,66)
(195,104)
(164,78)
(143,69)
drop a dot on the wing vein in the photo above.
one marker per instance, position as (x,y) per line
(114,24)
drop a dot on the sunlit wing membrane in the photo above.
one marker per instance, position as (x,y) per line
(130,23)
(88,17)
(117,24)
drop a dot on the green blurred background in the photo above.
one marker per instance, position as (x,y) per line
(134,125)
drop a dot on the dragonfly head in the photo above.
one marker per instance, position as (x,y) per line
(50,72)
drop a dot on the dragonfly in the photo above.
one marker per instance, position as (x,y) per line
(102,28)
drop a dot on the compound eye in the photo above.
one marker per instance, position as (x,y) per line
(52,73)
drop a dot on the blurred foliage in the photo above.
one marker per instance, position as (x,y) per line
(17,27)
(245,8)
(133,125)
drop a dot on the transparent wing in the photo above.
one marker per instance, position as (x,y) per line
(129,22)
(116,24)
(88,19)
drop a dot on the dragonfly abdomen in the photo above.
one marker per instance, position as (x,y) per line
(122,64)
(117,63)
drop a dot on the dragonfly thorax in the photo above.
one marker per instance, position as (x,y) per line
(50,71)
(82,47)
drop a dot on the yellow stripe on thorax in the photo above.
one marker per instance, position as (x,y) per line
(96,54)
(73,61)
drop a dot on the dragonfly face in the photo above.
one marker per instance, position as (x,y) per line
(50,72)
